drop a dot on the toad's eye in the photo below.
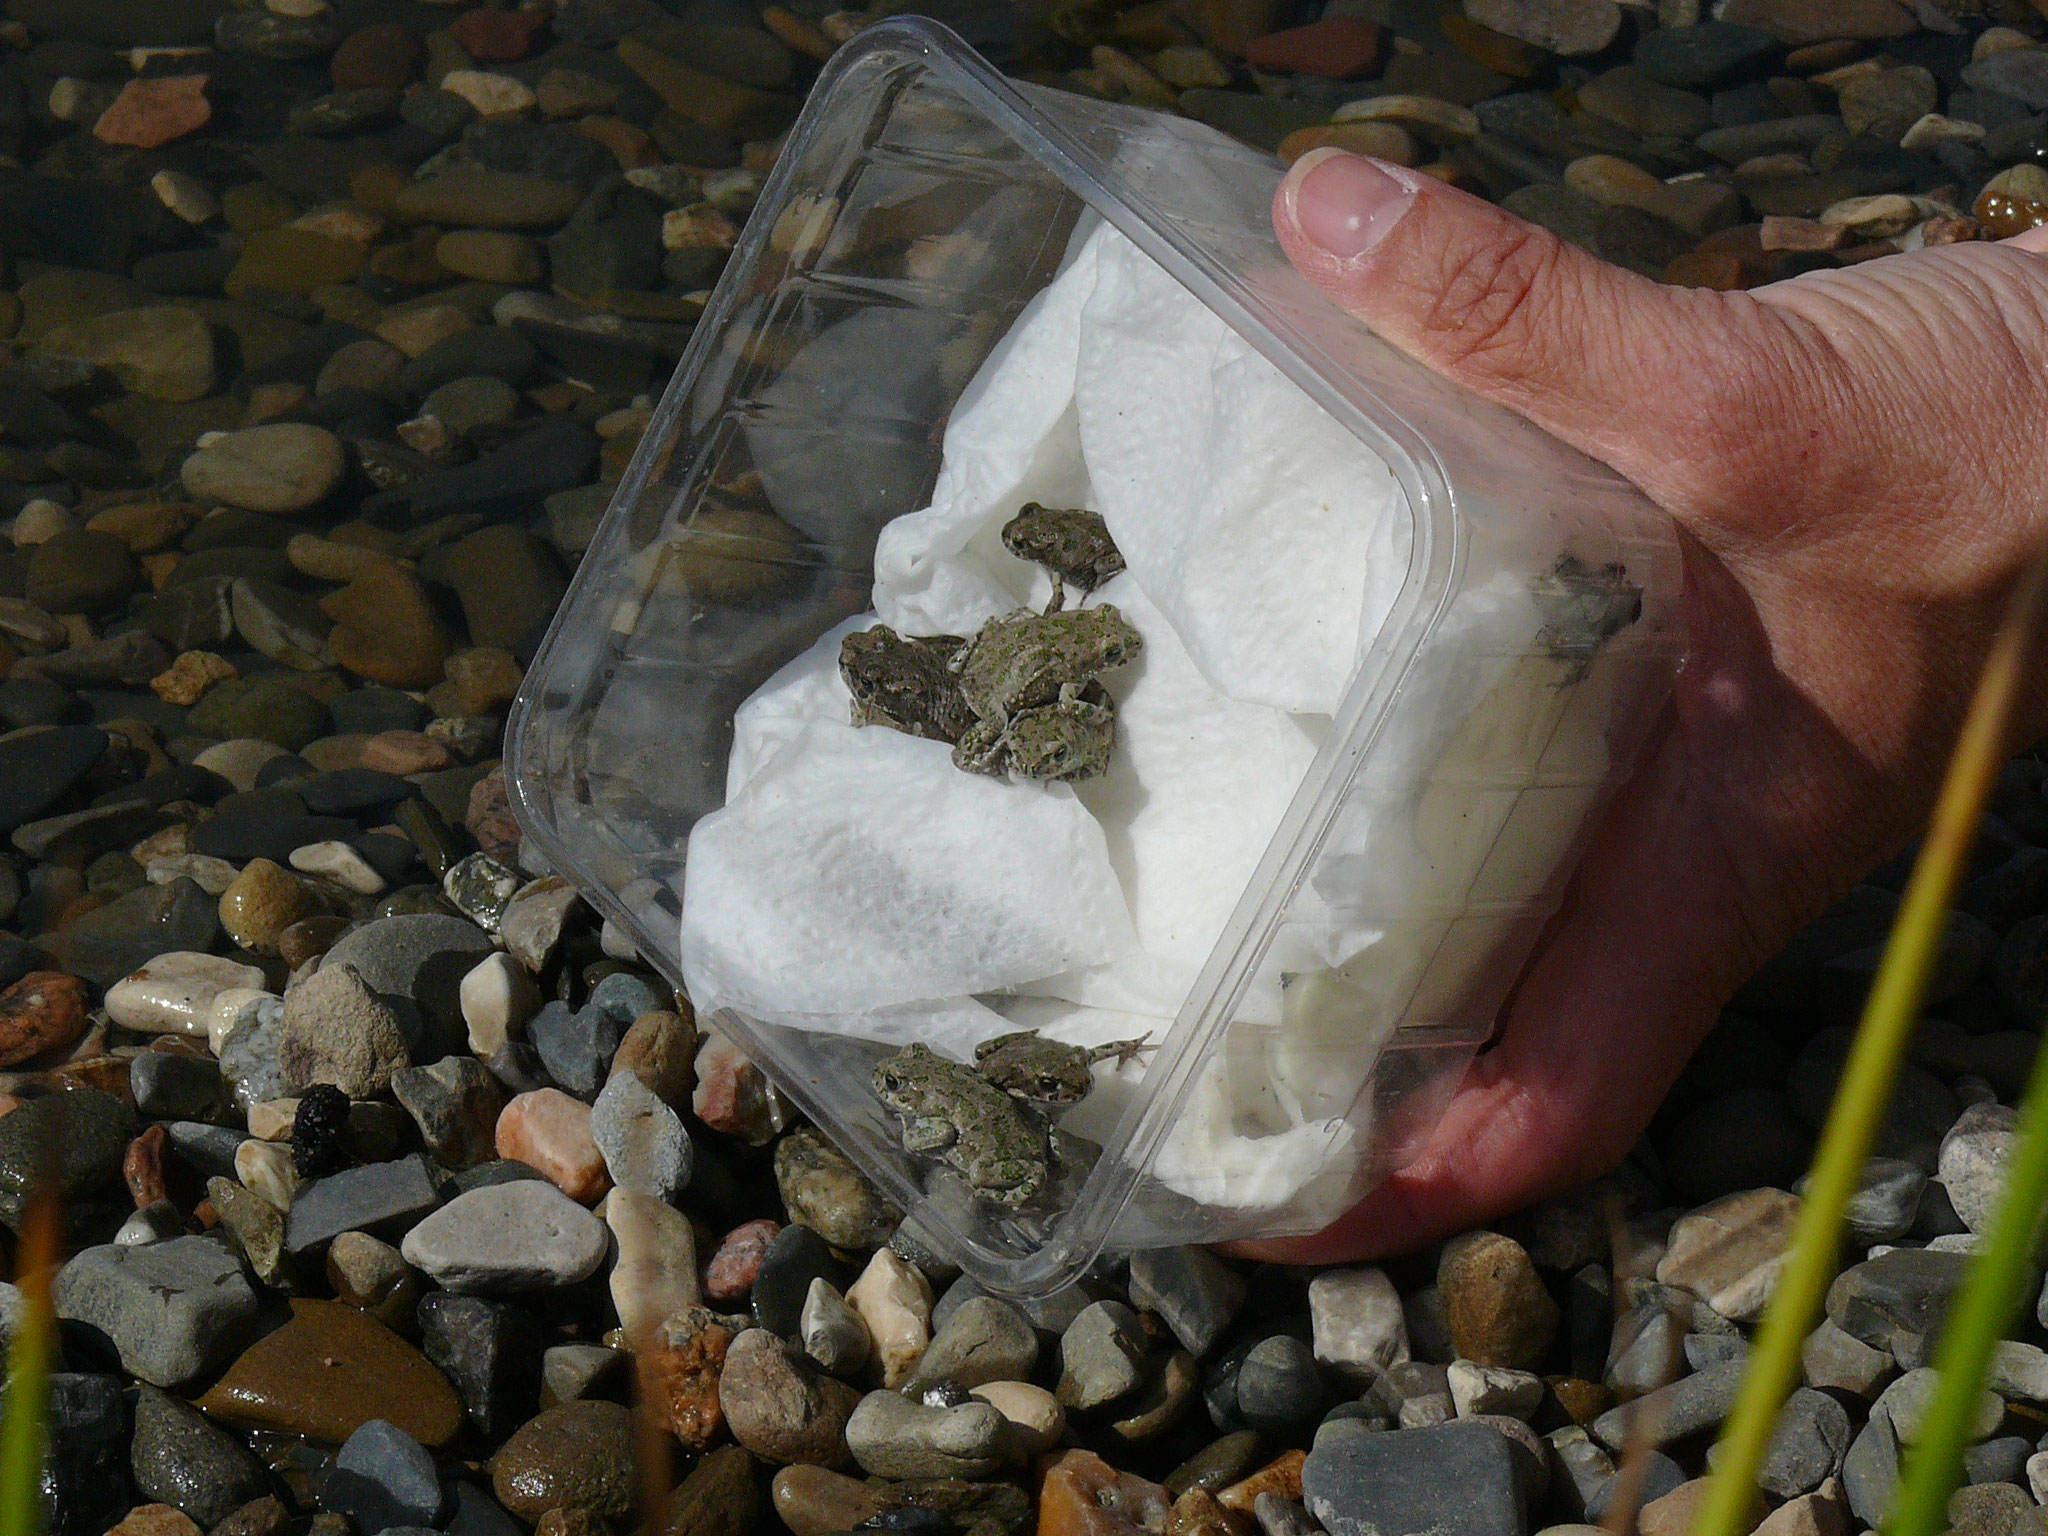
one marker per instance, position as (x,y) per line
(890,1082)
(1048,1084)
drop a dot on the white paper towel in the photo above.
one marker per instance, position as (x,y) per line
(858,868)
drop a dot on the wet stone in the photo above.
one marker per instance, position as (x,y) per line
(490,1350)
(175,1310)
(577,1456)
(382,1477)
(180,1457)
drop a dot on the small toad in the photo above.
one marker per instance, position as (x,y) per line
(1028,1066)
(947,1108)
(1583,606)
(1072,543)
(1030,680)
(905,682)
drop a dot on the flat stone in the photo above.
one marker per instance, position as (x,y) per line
(643,1141)
(508,1238)
(1101,1355)
(327,1372)
(162,353)
(284,467)
(1457,1479)
(1906,1402)
(175,1311)
(1566,27)
(1728,1253)
(383,1199)
(488,199)
(1687,1406)
(1833,1360)
(835,1337)
(1797,23)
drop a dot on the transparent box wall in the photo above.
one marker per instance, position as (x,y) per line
(920,204)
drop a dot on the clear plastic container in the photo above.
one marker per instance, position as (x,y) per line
(1531,645)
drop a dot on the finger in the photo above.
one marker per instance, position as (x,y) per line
(1602,1025)
(1634,372)
(2035,239)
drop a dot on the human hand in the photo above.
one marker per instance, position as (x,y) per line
(1857,466)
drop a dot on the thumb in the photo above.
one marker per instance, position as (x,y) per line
(1617,365)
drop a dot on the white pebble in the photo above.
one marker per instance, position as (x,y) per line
(228,1011)
(497,997)
(175,993)
(211,875)
(339,863)
(265,1168)
(271,1120)
(656,1273)
(41,520)
(492,94)
(523,1236)
(894,1299)
(1037,1414)
(237,760)
(187,196)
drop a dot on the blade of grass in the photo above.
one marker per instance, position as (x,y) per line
(1889,1015)
(1997,1283)
(24,1431)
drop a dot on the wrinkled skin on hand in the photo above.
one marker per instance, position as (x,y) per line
(1857,463)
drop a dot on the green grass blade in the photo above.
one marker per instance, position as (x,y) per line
(1999,1280)
(24,1430)
(1889,1015)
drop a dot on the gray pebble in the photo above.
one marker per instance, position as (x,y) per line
(168,1087)
(1451,1479)
(1099,1355)
(984,1339)
(181,1457)
(644,1143)
(384,1199)
(383,1478)
(894,1436)
(1194,1293)
(833,1334)
(175,1310)
(522,1236)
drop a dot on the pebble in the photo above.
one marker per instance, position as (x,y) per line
(1902,1294)
(506,1238)
(381,1478)
(576,1046)
(335,1029)
(370,1274)
(1728,1252)
(655,1272)
(176,1311)
(44,1011)
(783,1409)
(1359,1325)
(455,1102)
(181,1458)
(1685,1407)
(532,924)
(384,1199)
(277,468)
(833,1334)
(1498,1309)
(982,1340)
(729,1276)
(894,1436)
(1972,1161)
(575,1456)
(894,1299)
(1493,1389)
(1279,1390)
(644,1144)
(1905,1402)
(162,353)
(823,1188)
(1195,1293)
(491,1351)
(1454,1478)
(1035,1415)
(792,1259)
(550,1132)
(1101,1354)
(90,1130)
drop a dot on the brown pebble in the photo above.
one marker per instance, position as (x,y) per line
(569,1522)
(489,818)
(155,1520)
(1083,1495)
(2004,216)
(266,1516)
(1281,1476)
(1197,1513)
(383,55)
(729,1277)
(661,1050)
(44,1011)
(1950,231)
(151,112)
(403,752)
(497,36)
(1585,1401)
(1705,269)
(142,1166)
(309,938)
